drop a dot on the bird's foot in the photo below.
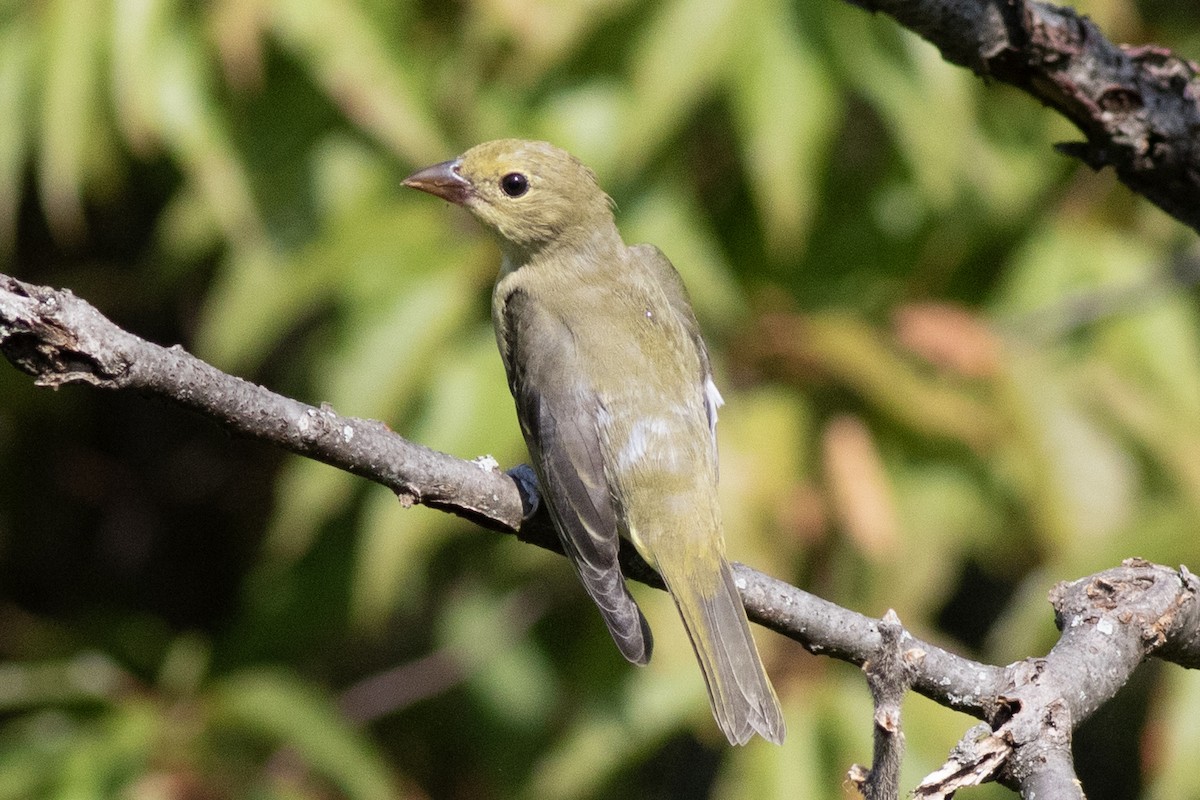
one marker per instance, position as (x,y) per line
(527,482)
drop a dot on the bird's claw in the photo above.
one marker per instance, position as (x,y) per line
(527,482)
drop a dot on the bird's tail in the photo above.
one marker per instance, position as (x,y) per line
(743,701)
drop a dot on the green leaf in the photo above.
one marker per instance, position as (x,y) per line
(17,43)
(88,677)
(787,114)
(286,712)
(1175,726)
(374,88)
(379,373)
(1079,480)
(191,122)
(678,59)
(764,771)
(139,30)
(70,113)
(489,635)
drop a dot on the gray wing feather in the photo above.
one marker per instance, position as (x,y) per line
(558,418)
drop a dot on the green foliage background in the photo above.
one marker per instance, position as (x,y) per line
(956,366)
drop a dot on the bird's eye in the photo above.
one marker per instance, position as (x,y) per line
(514,184)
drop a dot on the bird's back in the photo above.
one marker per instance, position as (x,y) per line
(653,424)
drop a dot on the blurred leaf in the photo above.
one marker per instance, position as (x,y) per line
(139,29)
(380,375)
(544,32)
(84,678)
(238,28)
(580,762)
(760,770)
(1059,268)
(185,665)
(1072,279)
(395,547)
(16,85)
(1080,482)
(944,512)
(360,259)
(488,633)
(107,754)
(1170,438)
(787,111)
(1172,736)
(860,493)
(847,350)
(350,180)
(252,303)
(381,369)
(677,60)
(191,124)
(287,713)
(1154,345)
(188,231)
(1025,627)
(373,87)
(762,435)
(902,76)
(840,708)
(70,120)
(586,120)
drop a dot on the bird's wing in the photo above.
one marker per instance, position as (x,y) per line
(558,415)
(668,279)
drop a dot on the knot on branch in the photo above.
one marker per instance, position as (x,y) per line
(1148,602)
(40,334)
(1028,743)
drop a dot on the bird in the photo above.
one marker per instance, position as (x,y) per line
(616,401)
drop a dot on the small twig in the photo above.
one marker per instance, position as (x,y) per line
(386,692)
(1095,305)
(888,676)
(824,628)
(975,760)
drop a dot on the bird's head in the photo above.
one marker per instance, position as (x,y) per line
(528,193)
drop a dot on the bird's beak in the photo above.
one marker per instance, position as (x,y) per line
(441,180)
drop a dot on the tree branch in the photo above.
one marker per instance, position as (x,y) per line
(1138,107)
(59,339)
(1110,622)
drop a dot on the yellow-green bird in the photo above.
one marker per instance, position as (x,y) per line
(615,398)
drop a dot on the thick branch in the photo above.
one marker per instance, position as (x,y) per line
(59,339)
(1139,107)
